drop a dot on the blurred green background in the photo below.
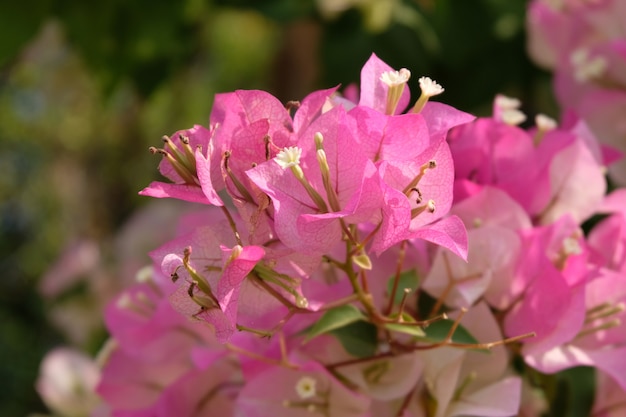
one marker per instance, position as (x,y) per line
(86,87)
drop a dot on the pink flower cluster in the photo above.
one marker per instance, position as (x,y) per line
(584,43)
(331,274)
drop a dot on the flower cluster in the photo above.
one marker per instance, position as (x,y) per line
(584,43)
(354,259)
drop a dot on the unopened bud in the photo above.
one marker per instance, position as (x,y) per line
(301,301)
(363,261)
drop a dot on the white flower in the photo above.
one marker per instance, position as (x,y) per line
(507,103)
(393,78)
(430,87)
(585,67)
(571,246)
(545,123)
(305,387)
(289,157)
(513,117)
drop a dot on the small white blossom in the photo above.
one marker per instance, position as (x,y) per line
(305,387)
(513,117)
(430,87)
(124,302)
(571,246)
(289,157)
(393,78)
(585,67)
(545,123)
(503,102)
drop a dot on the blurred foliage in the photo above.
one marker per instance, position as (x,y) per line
(86,87)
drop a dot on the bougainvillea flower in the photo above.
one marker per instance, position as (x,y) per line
(494,210)
(601,341)
(200,393)
(465,383)
(181,154)
(375,91)
(302,221)
(555,268)
(67,382)
(583,43)
(610,400)
(210,270)
(299,393)
(417,193)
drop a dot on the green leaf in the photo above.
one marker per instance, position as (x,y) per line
(335,318)
(358,339)
(400,328)
(403,328)
(408,279)
(438,331)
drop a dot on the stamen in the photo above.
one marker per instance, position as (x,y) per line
(180,169)
(266,274)
(432,164)
(189,152)
(604,326)
(267,142)
(243,191)
(331,194)
(429,206)
(198,281)
(291,106)
(603,311)
(290,158)
(405,294)
(419,195)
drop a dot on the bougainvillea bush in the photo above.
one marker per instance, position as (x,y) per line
(366,252)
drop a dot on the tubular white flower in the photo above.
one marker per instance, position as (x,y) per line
(507,103)
(513,117)
(545,123)
(305,387)
(586,67)
(289,157)
(430,87)
(571,246)
(393,78)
